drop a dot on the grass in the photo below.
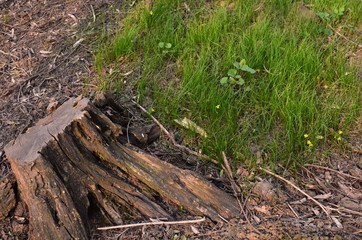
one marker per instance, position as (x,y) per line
(303,84)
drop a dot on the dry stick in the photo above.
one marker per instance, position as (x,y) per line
(297,188)
(294,212)
(181,147)
(236,188)
(229,174)
(332,170)
(153,223)
(338,209)
(341,35)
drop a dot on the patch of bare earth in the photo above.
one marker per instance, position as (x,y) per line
(46,57)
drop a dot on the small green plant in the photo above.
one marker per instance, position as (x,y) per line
(233,74)
(334,17)
(165,47)
(331,19)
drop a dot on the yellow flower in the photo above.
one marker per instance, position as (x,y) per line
(340,132)
(306,135)
(152,110)
(309,143)
(217,106)
(339,138)
(151,13)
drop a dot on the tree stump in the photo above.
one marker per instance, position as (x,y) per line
(71,162)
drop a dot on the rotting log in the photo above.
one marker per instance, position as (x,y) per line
(71,162)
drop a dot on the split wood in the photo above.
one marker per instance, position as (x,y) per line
(332,170)
(171,138)
(153,223)
(297,188)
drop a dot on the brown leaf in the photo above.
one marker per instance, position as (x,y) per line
(351,193)
(263,209)
(337,222)
(195,230)
(323,196)
(348,203)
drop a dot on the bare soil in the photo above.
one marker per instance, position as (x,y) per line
(46,57)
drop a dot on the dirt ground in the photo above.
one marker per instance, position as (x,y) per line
(46,57)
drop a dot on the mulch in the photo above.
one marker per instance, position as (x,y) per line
(46,56)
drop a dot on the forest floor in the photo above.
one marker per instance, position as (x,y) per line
(46,57)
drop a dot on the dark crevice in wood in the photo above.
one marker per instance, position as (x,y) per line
(71,168)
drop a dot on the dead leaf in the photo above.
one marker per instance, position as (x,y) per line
(52,106)
(263,209)
(45,53)
(299,201)
(188,124)
(349,204)
(195,230)
(77,43)
(264,190)
(323,196)
(256,219)
(337,222)
(316,211)
(351,193)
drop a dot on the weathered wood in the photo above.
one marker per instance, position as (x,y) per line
(71,162)
(7,196)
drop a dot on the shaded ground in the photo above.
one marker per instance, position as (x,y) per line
(46,57)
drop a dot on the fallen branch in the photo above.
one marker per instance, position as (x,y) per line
(332,170)
(343,209)
(152,223)
(297,188)
(341,35)
(169,135)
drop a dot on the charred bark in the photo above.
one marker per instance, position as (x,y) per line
(71,162)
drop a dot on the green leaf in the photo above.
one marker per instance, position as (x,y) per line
(323,15)
(237,65)
(242,62)
(168,45)
(240,82)
(232,72)
(232,80)
(248,69)
(161,44)
(224,80)
(248,89)
(238,76)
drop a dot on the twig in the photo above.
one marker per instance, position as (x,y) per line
(9,54)
(152,223)
(343,209)
(294,212)
(129,122)
(229,174)
(236,189)
(297,188)
(332,170)
(181,147)
(93,14)
(341,35)
(222,218)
